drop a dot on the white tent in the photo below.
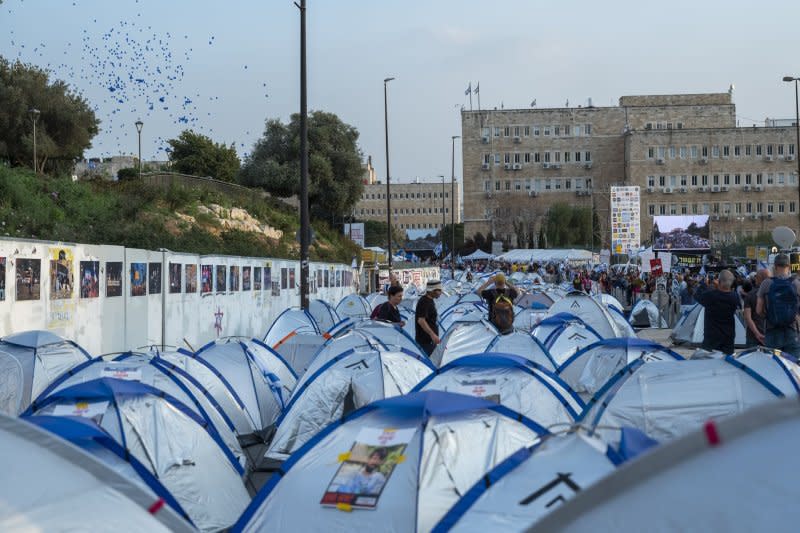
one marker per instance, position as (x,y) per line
(608,300)
(592,312)
(47,484)
(165,436)
(324,314)
(478,255)
(645,315)
(528,318)
(667,399)
(591,367)
(394,465)
(392,337)
(513,381)
(563,335)
(523,345)
(345,383)
(29,362)
(624,329)
(289,323)
(462,312)
(464,338)
(689,329)
(144,369)
(261,378)
(353,306)
(530,484)
(545,256)
(734,475)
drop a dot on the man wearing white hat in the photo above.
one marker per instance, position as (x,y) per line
(426,317)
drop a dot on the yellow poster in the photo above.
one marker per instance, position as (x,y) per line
(62,273)
(751,252)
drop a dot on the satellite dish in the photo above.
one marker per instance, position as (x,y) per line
(784,237)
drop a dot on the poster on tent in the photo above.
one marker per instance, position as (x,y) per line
(154,279)
(62,276)
(191,279)
(113,279)
(90,279)
(486,389)
(206,279)
(83,409)
(175,275)
(2,279)
(138,279)
(626,232)
(367,467)
(681,233)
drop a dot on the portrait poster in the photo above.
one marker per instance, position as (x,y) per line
(138,279)
(154,279)
(327,279)
(206,279)
(233,284)
(268,275)
(222,279)
(2,279)
(62,276)
(257,278)
(367,468)
(276,288)
(284,278)
(191,279)
(83,409)
(291,278)
(113,279)
(246,278)
(28,279)
(175,278)
(90,279)
(319,278)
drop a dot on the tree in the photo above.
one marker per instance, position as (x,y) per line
(196,154)
(375,234)
(448,237)
(334,163)
(65,125)
(568,226)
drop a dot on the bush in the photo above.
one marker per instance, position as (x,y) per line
(128,174)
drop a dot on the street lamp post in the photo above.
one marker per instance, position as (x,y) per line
(441,239)
(305,223)
(34,117)
(139,125)
(453,206)
(388,186)
(797,128)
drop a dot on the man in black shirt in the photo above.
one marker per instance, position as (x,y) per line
(426,318)
(388,311)
(753,321)
(500,289)
(720,303)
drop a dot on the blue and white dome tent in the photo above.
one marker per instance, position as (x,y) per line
(353,306)
(178,447)
(592,312)
(464,338)
(591,367)
(296,336)
(261,378)
(512,381)
(696,482)
(524,345)
(394,465)
(563,335)
(350,380)
(668,399)
(144,369)
(29,362)
(47,484)
(689,328)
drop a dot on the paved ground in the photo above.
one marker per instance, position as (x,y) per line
(661,336)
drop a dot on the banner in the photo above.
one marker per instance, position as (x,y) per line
(356,232)
(626,233)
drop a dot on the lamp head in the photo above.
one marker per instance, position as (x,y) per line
(387,80)
(139,125)
(788,78)
(34,112)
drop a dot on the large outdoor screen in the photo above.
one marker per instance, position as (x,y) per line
(682,232)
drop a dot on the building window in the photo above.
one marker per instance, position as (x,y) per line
(759,179)
(769,149)
(497,131)
(507,157)
(715,151)
(758,150)
(695,209)
(527,131)
(737,151)
(738,208)
(694,152)
(557,184)
(781,179)
(587,156)
(793,179)
(781,207)
(662,152)
(517,185)
(507,131)
(527,157)
(662,209)
(684,209)
(705,151)
(568,184)
(770,180)
(680,125)
(673,182)
(726,151)
(566,157)
(673,209)
(704,180)
(651,152)
(497,185)
(770,207)
(683,180)
(547,185)
(508,185)
(547,131)
(694,181)
(556,131)
(497,158)
(567,130)
(662,181)
(516,131)
(487,185)
(557,156)
(577,157)
(780,149)
(651,209)
(588,129)
(536,131)
(748,150)
(517,157)
(792,207)
(672,152)
(705,209)
(684,152)
(715,179)
(537,157)
(651,181)
(547,157)
(759,207)
(791,149)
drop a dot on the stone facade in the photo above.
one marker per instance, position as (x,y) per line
(518,163)
(415,205)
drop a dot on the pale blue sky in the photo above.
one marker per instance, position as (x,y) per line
(222,68)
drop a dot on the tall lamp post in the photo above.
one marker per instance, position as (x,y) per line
(388,186)
(441,239)
(305,223)
(797,128)
(139,125)
(34,117)
(453,206)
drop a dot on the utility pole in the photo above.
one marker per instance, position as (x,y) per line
(305,225)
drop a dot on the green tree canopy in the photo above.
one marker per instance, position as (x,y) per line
(65,125)
(196,154)
(334,163)
(568,226)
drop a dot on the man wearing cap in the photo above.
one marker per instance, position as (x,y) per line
(426,317)
(778,303)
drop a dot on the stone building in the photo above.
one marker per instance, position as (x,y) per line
(417,205)
(685,151)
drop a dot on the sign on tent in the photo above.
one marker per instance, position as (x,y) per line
(366,468)
(486,389)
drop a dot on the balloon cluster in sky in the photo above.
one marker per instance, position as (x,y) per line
(128,71)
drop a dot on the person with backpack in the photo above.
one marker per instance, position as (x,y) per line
(778,304)
(720,303)
(500,301)
(388,311)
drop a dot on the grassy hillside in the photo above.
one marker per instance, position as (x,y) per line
(138,216)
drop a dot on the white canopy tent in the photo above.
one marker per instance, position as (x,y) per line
(478,255)
(545,256)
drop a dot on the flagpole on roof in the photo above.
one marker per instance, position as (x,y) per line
(469,92)
(478,92)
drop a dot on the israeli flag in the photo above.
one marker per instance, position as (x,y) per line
(703,270)
(763,264)
(438,249)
